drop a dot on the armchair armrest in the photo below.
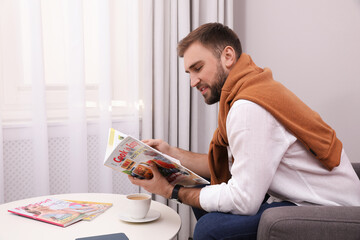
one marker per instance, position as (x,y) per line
(310,222)
(356,167)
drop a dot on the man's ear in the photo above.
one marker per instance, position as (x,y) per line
(228,57)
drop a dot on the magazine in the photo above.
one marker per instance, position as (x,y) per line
(100,208)
(131,156)
(58,212)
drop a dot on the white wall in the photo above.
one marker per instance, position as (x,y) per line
(313,48)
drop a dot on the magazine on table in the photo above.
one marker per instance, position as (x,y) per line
(60,212)
(131,156)
(99,209)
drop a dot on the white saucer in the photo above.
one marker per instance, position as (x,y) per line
(151,216)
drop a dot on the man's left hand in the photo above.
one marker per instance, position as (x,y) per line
(157,185)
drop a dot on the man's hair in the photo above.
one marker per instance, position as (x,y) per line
(213,36)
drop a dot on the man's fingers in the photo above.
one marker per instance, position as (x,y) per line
(151,142)
(137,181)
(154,169)
(157,185)
(134,180)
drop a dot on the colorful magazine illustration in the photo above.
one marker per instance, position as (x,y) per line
(131,156)
(100,208)
(58,212)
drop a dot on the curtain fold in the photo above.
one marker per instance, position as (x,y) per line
(74,62)
(104,73)
(35,73)
(2,184)
(146,28)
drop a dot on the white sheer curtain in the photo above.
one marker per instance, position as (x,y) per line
(173,111)
(69,70)
(1,164)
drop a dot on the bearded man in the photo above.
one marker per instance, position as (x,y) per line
(282,152)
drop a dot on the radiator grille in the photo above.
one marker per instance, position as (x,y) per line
(19,172)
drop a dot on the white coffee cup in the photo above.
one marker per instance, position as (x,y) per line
(138,205)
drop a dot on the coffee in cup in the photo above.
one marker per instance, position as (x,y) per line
(138,205)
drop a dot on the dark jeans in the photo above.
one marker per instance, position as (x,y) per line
(226,226)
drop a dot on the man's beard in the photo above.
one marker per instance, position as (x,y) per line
(217,86)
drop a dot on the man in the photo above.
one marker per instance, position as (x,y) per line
(280,148)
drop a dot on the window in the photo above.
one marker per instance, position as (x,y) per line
(87,45)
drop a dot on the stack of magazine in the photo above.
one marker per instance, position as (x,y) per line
(62,212)
(129,155)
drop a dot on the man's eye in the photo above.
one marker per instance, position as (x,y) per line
(198,68)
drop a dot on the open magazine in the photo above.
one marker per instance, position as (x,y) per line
(99,208)
(61,212)
(131,156)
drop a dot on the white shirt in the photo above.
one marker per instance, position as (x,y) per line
(269,159)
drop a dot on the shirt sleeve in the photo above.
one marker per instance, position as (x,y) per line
(257,142)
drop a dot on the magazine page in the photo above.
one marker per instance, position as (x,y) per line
(115,137)
(132,157)
(54,211)
(99,208)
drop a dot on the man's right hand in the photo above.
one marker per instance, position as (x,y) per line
(196,162)
(159,145)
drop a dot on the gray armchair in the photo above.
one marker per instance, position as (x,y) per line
(311,223)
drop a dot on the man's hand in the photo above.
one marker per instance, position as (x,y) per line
(159,144)
(158,184)
(196,162)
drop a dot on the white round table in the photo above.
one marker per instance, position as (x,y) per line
(15,227)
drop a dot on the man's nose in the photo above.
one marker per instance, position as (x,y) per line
(194,81)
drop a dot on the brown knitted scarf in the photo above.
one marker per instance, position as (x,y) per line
(247,81)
